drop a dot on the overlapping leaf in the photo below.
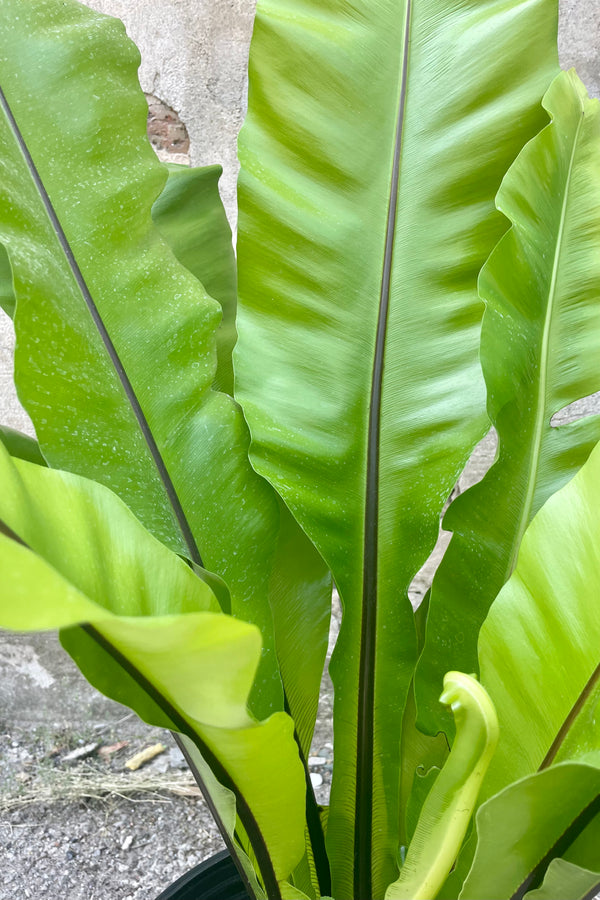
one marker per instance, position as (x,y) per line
(72,553)
(116,348)
(377,136)
(566,881)
(7,297)
(524,825)
(190,216)
(21,445)
(540,663)
(539,648)
(422,758)
(539,353)
(449,805)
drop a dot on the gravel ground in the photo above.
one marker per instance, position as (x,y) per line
(122,843)
(82,851)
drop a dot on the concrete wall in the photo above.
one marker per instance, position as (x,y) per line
(194,58)
(579,40)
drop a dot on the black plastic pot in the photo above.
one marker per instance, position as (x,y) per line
(214,879)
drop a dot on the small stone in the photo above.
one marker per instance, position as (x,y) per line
(127,842)
(317,780)
(80,753)
(176,759)
(317,760)
(23,777)
(159,765)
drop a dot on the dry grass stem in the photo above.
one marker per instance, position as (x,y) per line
(91,784)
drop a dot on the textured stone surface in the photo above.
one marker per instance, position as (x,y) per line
(41,686)
(11,412)
(168,134)
(194,57)
(579,40)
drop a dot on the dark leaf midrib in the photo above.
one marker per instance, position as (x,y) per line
(559,848)
(313,818)
(247,818)
(7,531)
(571,718)
(169,488)
(363,837)
(228,841)
(180,723)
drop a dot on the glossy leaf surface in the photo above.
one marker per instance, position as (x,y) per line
(119,388)
(72,553)
(523,823)
(548,611)
(449,805)
(21,445)
(422,758)
(7,296)
(224,802)
(190,216)
(369,167)
(565,881)
(547,615)
(539,353)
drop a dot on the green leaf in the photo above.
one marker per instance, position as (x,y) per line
(112,679)
(190,216)
(585,850)
(72,553)
(450,803)
(539,353)
(7,295)
(548,612)
(21,445)
(116,348)
(565,881)
(422,783)
(525,823)
(119,388)
(366,212)
(223,803)
(95,237)
(422,758)
(75,524)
